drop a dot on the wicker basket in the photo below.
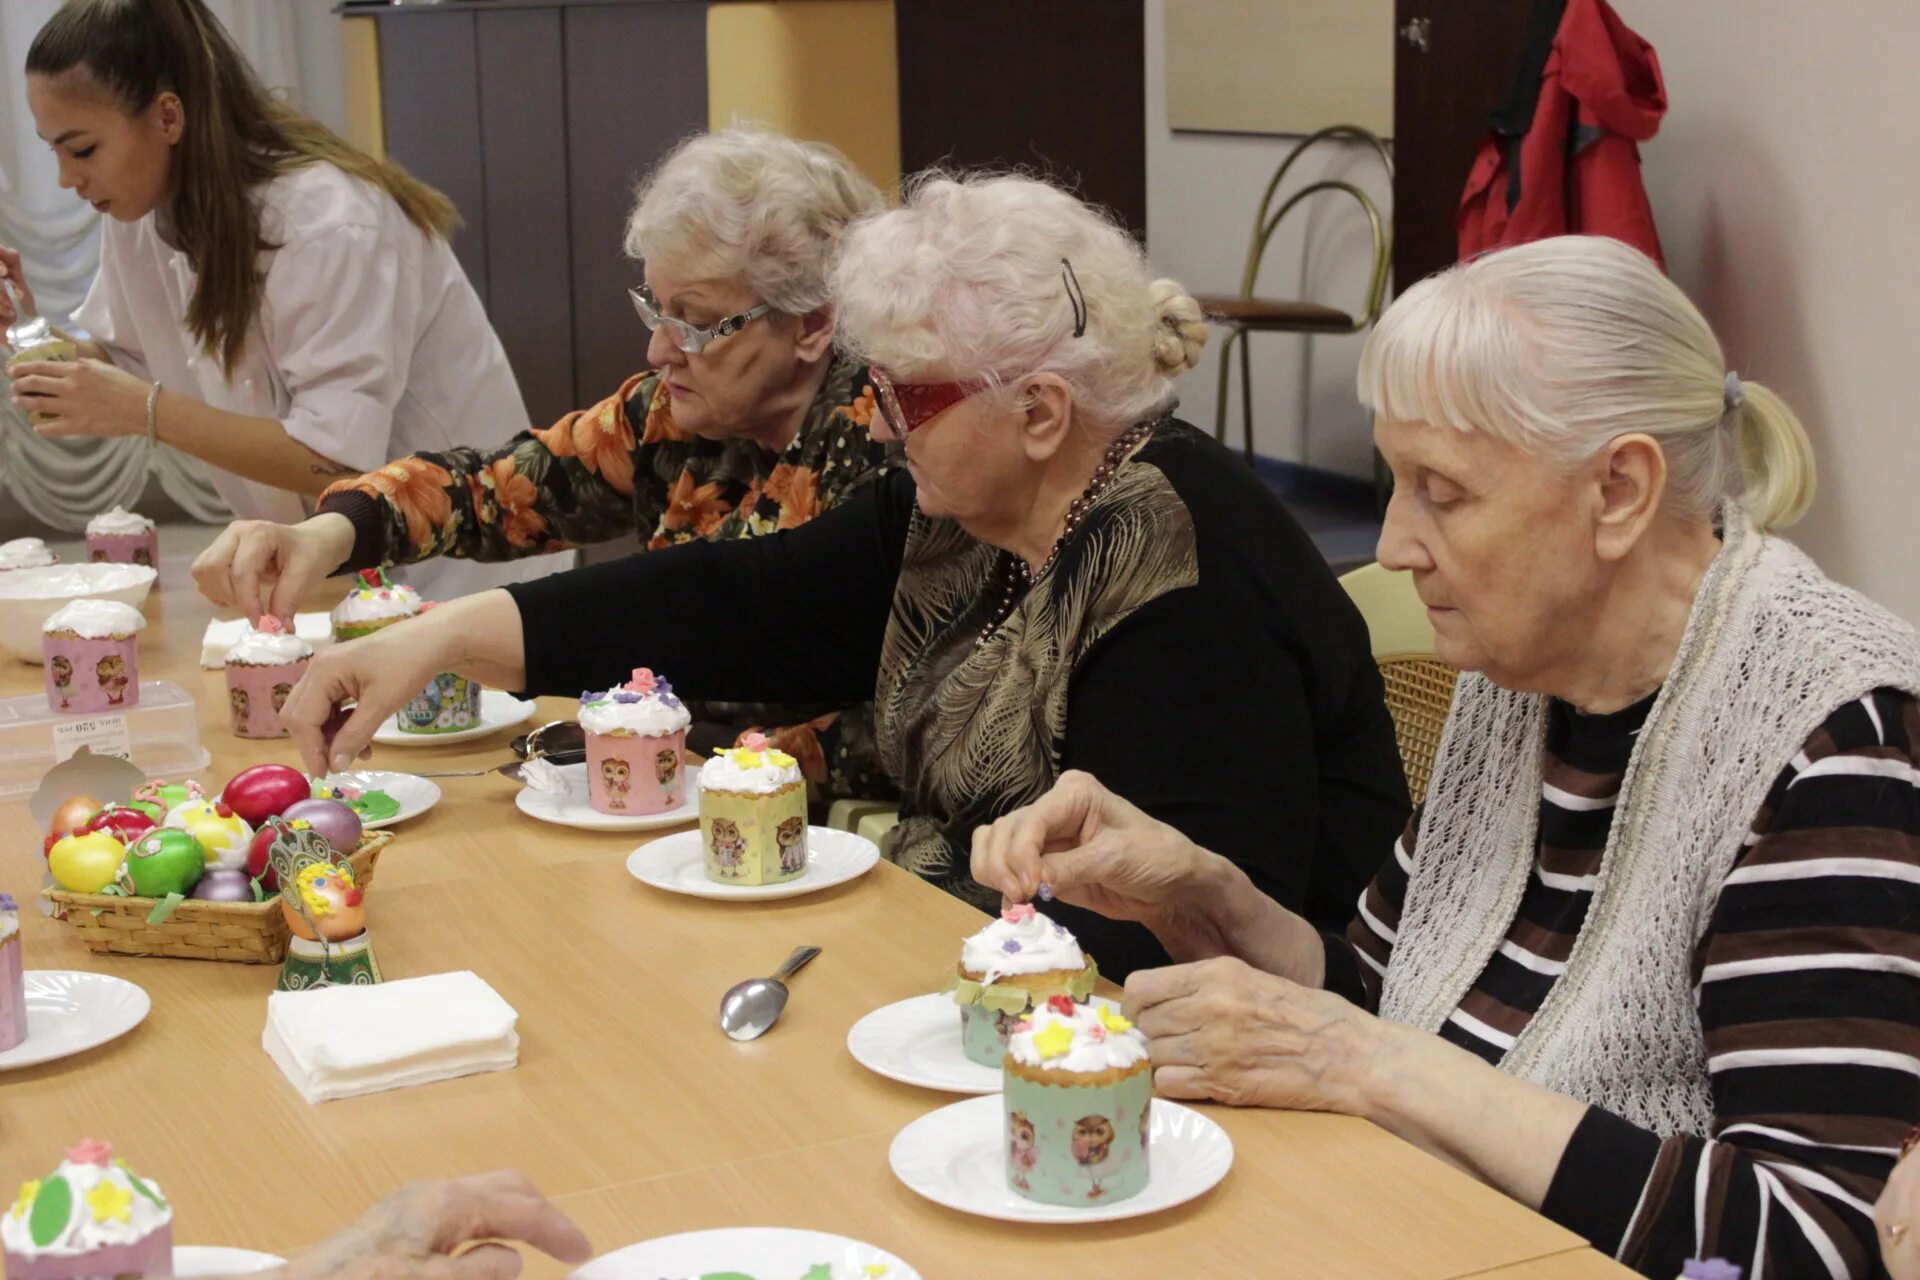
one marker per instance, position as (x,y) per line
(242,932)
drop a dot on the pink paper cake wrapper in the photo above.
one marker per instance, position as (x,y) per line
(125,548)
(630,774)
(13,994)
(149,1256)
(254,695)
(88,676)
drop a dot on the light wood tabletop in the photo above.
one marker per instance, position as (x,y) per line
(628,1106)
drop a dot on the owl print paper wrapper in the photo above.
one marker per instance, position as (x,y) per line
(753,815)
(262,668)
(636,746)
(449,704)
(1077,1102)
(90,651)
(120,536)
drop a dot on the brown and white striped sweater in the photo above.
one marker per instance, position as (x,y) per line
(1807,983)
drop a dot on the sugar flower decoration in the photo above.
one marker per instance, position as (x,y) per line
(1062,1005)
(29,1191)
(110,1202)
(91,1151)
(7,903)
(1053,1040)
(1018,913)
(1113,1021)
(754,741)
(269,625)
(642,681)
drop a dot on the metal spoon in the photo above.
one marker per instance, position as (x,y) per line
(753,1006)
(26,331)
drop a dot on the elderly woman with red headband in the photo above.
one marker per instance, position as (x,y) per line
(1061,576)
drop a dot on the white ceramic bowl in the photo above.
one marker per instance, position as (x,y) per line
(28,597)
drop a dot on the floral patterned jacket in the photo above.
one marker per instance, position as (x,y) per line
(624,467)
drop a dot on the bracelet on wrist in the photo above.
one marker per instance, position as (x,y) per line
(153,403)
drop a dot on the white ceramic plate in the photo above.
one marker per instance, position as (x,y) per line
(776,1253)
(574,810)
(917,1041)
(957,1156)
(497,711)
(214,1260)
(415,795)
(70,1012)
(673,863)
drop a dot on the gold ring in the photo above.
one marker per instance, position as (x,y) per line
(1895,1230)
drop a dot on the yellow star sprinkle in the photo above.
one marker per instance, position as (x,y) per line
(1113,1021)
(110,1202)
(28,1190)
(1053,1040)
(746,759)
(780,759)
(874,1269)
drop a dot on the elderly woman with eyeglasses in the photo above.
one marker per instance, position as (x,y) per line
(748,422)
(1648,957)
(1062,576)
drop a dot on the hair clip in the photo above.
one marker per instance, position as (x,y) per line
(1076,297)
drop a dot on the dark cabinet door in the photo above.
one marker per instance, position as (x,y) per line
(636,84)
(1057,86)
(430,98)
(1453,62)
(524,169)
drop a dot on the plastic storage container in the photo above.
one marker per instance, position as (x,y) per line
(161,736)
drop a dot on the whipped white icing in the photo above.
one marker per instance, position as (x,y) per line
(96,619)
(118,522)
(739,770)
(25,553)
(264,649)
(1021,941)
(1099,1040)
(69,581)
(645,714)
(129,1210)
(377,604)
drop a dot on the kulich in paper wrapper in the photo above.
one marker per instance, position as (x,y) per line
(1077,1099)
(13,977)
(636,746)
(262,668)
(449,704)
(92,1217)
(90,650)
(375,602)
(120,536)
(1011,966)
(753,815)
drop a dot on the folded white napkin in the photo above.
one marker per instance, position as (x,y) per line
(340,1042)
(315,628)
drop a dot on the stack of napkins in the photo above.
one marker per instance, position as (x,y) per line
(315,628)
(340,1042)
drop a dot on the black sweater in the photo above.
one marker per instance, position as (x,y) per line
(1243,708)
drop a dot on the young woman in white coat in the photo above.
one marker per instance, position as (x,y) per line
(270,299)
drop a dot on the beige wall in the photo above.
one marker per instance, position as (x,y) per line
(1787,187)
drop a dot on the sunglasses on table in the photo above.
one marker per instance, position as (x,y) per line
(690,338)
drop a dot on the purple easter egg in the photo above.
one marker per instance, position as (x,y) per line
(223,886)
(336,821)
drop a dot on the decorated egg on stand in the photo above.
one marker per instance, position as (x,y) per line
(324,902)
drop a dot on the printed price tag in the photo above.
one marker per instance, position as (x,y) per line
(102,735)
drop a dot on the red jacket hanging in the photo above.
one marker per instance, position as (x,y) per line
(1566,160)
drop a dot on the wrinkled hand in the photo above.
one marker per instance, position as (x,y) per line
(81,398)
(14,272)
(1223,1030)
(1091,849)
(379,673)
(412,1234)
(251,557)
(1900,1207)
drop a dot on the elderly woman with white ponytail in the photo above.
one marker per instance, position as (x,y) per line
(1648,957)
(1062,576)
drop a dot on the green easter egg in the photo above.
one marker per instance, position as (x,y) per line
(165,861)
(52,1210)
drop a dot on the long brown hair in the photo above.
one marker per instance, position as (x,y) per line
(238,136)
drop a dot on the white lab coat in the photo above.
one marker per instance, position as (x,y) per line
(369,344)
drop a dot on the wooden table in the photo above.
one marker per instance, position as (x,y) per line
(628,1106)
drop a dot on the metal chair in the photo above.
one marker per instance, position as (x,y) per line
(1419,687)
(1245,313)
